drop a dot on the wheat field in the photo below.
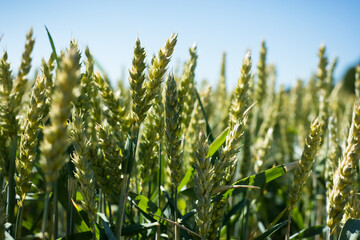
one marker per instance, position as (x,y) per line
(161,155)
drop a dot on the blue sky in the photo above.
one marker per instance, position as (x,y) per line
(293,31)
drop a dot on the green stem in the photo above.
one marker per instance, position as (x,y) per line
(18,223)
(56,212)
(128,175)
(111,220)
(120,208)
(160,171)
(99,205)
(94,231)
(175,214)
(11,187)
(45,213)
(287,236)
(70,216)
(158,234)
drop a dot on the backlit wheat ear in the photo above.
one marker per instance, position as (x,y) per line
(172,130)
(260,90)
(241,95)
(222,98)
(55,135)
(24,69)
(83,172)
(35,114)
(192,137)
(139,105)
(203,186)
(115,114)
(173,138)
(7,98)
(330,75)
(303,171)
(343,178)
(158,68)
(7,113)
(186,94)
(323,91)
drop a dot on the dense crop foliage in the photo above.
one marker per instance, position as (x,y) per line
(168,157)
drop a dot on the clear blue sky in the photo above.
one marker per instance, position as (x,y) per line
(293,31)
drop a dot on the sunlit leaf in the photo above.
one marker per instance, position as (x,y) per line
(216,144)
(257,180)
(188,175)
(146,205)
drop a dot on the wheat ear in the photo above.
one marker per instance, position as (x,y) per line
(55,134)
(344,175)
(203,181)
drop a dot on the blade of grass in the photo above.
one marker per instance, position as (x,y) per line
(188,175)
(216,144)
(275,221)
(53,48)
(270,231)
(208,128)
